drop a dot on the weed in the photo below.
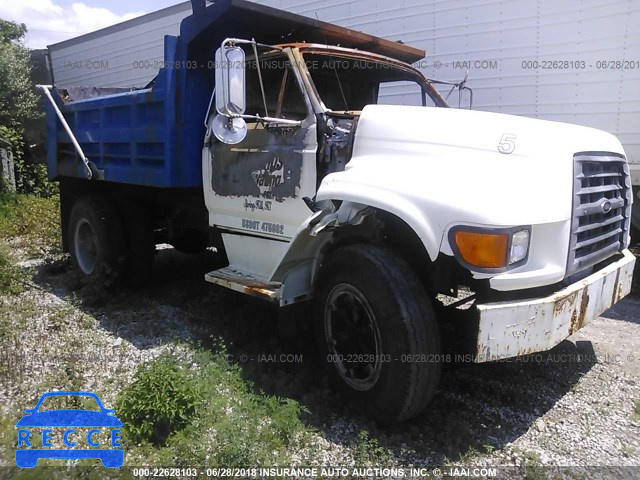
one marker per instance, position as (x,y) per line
(160,401)
(368,451)
(61,319)
(12,278)
(474,452)
(635,415)
(534,470)
(88,322)
(628,450)
(32,223)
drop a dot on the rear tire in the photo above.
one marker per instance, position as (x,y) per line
(96,241)
(192,242)
(140,243)
(377,332)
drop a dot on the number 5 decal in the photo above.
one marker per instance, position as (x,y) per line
(507,144)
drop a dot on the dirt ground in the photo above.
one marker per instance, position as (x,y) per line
(577,405)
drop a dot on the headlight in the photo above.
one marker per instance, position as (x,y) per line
(490,249)
(519,247)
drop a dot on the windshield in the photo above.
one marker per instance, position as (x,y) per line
(346,83)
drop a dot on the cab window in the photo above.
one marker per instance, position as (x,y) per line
(350,84)
(284,99)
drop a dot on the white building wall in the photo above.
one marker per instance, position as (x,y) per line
(124,55)
(499,41)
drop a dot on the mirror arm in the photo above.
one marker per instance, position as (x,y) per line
(283,121)
(206,118)
(241,41)
(264,97)
(470,96)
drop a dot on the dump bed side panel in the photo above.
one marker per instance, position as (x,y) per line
(130,137)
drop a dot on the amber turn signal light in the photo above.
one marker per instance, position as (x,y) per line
(483,250)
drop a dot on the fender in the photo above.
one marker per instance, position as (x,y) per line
(299,266)
(387,200)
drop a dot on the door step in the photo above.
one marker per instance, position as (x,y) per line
(244,283)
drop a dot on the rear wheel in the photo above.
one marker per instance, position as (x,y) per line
(96,240)
(377,332)
(191,242)
(140,243)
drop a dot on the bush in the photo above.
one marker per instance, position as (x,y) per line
(160,401)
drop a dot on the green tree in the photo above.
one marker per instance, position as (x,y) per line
(18,101)
(18,104)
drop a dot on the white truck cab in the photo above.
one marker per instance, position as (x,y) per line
(323,193)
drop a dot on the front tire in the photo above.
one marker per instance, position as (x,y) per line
(377,332)
(96,242)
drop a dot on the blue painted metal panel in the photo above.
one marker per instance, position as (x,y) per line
(150,137)
(134,137)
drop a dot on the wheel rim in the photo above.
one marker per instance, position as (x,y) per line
(85,247)
(353,337)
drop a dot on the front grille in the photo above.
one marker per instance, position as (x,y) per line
(601,208)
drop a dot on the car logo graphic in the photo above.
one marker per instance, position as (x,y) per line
(33,447)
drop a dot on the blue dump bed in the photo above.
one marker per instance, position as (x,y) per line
(154,137)
(151,137)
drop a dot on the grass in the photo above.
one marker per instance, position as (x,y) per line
(635,415)
(534,469)
(29,227)
(628,450)
(30,223)
(199,410)
(12,278)
(188,407)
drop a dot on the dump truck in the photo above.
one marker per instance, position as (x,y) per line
(397,230)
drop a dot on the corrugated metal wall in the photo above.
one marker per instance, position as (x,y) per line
(499,42)
(126,55)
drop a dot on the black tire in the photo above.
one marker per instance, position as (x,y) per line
(140,243)
(396,329)
(191,242)
(96,241)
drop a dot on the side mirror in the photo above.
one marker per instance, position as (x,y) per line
(230,81)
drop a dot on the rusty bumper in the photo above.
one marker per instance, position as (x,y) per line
(510,329)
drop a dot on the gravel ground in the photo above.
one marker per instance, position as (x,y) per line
(573,406)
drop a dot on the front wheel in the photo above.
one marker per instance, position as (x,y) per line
(377,332)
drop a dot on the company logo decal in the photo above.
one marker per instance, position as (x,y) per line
(83,432)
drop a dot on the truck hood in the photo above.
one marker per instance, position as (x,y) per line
(450,158)
(436,168)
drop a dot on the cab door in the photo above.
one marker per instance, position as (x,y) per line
(256,187)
